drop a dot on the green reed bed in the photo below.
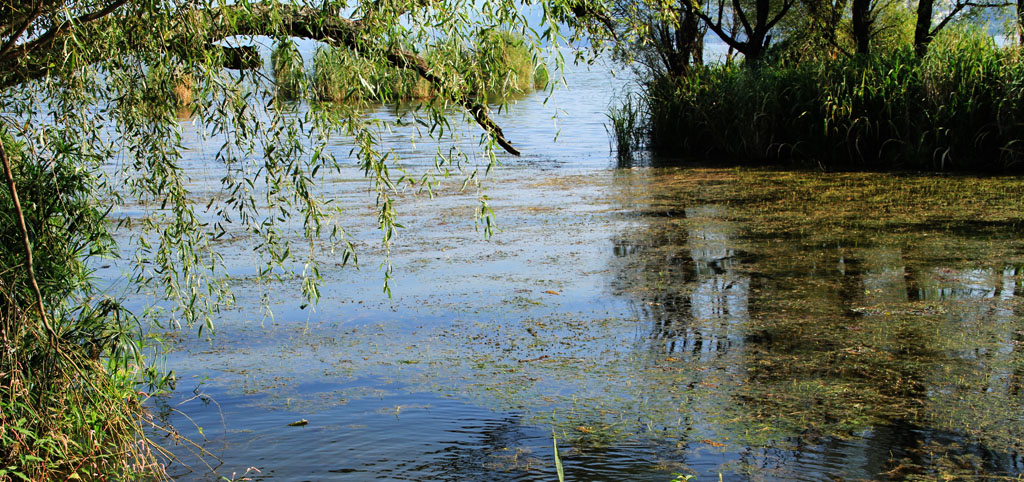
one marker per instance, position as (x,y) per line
(336,74)
(341,76)
(961,107)
(626,130)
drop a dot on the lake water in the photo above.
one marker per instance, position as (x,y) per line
(721,323)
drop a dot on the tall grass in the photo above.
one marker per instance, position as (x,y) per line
(959,108)
(626,130)
(69,408)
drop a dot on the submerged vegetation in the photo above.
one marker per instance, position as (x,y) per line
(824,323)
(703,321)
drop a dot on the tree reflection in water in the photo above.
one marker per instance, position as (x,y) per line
(825,346)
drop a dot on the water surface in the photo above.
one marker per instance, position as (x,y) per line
(727,323)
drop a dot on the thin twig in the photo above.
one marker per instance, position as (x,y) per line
(28,244)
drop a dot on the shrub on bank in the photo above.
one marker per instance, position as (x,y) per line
(961,107)
(70,408)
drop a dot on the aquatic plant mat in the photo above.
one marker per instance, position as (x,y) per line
(743,323)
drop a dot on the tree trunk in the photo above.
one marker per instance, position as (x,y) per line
(1020,22)
(681,43)
(922,30)
(689,37)
(694,36)
(754,48)
(753,53)
(861,16)
(757,33)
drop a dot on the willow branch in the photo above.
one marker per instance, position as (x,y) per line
(32,61)
(19,31)
(960,6)
(481,114)
(63,28)
(27,243)
(310,23)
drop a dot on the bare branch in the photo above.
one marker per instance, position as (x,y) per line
(959,7)
(722,34)
(738,11)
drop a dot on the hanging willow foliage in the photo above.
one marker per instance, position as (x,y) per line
(91,92)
